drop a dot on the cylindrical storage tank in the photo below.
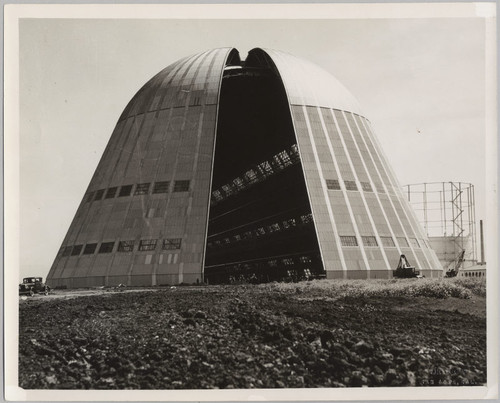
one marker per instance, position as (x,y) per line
(446,211)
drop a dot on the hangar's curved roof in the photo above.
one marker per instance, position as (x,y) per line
(198,75)
(308,84)
(201,73)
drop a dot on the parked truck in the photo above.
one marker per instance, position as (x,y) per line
(33,285)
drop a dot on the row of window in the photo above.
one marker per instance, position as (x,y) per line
(245,278)
(248,277)
(289,261)
(140,189)
(123,246)
(257,174)
(334,184)
(474,274)
(264,230)
(292,262)
(345,240)
(294,273)
(387,241)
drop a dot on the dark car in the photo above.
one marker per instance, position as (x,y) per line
(33,285)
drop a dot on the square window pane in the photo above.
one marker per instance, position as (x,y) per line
(366,186)
(369,240)
(125,191)
(414,243)
(106,247)
(90,248)
(351,185)
(306,219)
(142,189)
(387,241)
(181,186)
(99,194)
(67,251)
(172,243)
(332,184)
(348,240)
(147,244)
(161,187)
(76,250)
(111,192)
(403,242)
(126,246)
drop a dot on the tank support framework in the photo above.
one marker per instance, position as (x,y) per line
(447,209)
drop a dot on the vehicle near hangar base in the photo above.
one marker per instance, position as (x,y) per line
(405,270)
(33,285)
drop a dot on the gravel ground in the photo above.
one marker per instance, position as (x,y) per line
(247,337)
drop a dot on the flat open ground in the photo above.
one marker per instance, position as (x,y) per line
(313,334)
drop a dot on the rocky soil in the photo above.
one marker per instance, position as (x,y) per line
(248,337)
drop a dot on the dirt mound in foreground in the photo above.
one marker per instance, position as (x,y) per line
(248,337)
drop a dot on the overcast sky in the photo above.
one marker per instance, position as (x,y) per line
(76,76)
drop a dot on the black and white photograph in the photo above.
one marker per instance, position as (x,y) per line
(251,202)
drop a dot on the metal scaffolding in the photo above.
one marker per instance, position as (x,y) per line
(447,210)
